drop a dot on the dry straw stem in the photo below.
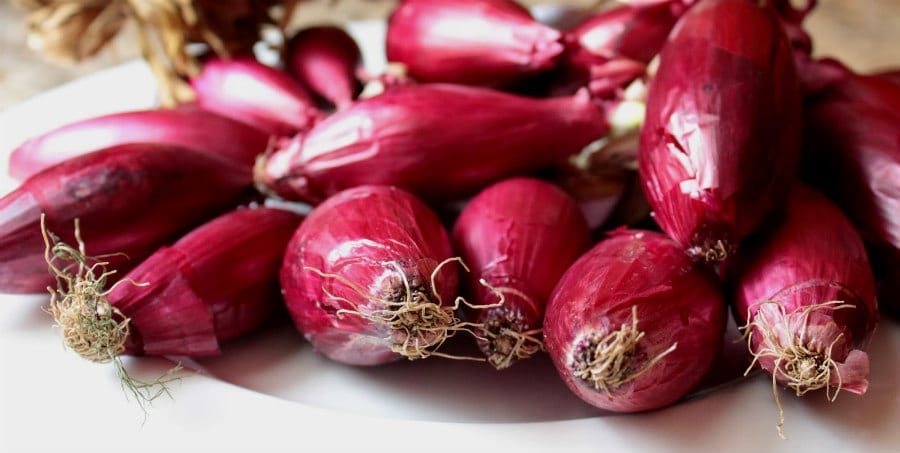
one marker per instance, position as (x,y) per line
(418,321)
(70,31)
(606,361)
(800,366)
(90,325)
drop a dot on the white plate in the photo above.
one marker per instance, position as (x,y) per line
(271,392)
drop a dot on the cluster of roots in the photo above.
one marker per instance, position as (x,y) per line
(607,360)
(797,363)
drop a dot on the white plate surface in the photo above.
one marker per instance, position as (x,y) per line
(271,392)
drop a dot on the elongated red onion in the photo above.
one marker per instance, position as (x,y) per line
(817,74)
(438,141)
(891,74)
(633,325)
(807,298)
(721,142)
(259,95)
(325,59)
(216,283)
(518,236)
(852,154)
(632,32)
(368,278)
(867,90)
(186,126)
(472,42)
(130,200)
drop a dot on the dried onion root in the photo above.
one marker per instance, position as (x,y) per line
(90,325)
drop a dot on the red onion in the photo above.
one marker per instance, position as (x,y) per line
(438,141)
(129,199)
(325,59)
(633,325)
(632,32)
(817,74)
(853,155)
(518,236)
(807,296)
(866,90)
(891,74)
(217,283)
(472,42)
(188,127)
(720,142)
(368,278)
(259,95)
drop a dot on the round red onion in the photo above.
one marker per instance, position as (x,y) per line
(633,325)
(517,237)
(720,143)
(369,278)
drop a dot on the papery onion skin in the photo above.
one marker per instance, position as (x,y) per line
(251,92)
(218,282)
(130,200)
(789,285)
(473,42)
(721,139)
(325,59)
(439,141)
(520,234)
(367,236)
(187,126)
(676,304)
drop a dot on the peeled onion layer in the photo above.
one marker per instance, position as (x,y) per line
(720,143)
(633,325)
(517,237)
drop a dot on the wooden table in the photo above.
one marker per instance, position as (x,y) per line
(863,33)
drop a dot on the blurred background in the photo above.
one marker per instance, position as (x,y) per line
(865,34)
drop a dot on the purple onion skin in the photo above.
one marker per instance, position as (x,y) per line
(814,257)
(521,234)
(720,144)
(130,200)
(676,304)
(262,96)
(325,59)
(361,234)
(187,126)
(439,141)
(472,42)
(217,283)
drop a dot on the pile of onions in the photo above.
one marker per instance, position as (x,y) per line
(533,144)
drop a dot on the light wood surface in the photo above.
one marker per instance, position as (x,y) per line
(865,34)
